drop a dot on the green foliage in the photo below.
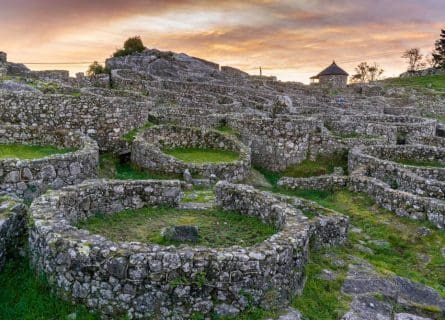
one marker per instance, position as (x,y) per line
(131,45)
(439,51)
(22,151)
(216,228)
(26,295)
(95,68)
(197,155)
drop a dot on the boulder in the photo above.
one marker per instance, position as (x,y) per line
(181,233)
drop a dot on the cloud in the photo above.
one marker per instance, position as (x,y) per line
(289,37)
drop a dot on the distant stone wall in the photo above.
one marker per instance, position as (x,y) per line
(104,119)
(13,221)
(147,152)
(30,178)
(150,281)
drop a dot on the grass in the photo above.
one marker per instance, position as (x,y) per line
(227,129)
(216,228)
(401,256)
(436,82)
(271,176)
(421,163)
(197,155)
(22,151)
(321,166)
(199,195)
(111,168)
(322,299)
(27,296)
(130,135)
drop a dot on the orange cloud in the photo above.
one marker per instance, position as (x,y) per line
(290,38)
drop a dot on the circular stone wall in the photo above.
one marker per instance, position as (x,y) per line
(148,281)
(412,190)
(147,152)
(29,178)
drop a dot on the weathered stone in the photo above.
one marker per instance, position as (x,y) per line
(181,233)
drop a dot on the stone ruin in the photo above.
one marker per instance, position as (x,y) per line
(273,125)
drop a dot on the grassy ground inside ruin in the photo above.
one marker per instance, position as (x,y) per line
(436,82)
(321,166)
(216,228)
(308,168)
(196,155)
(421,163)
(130,135)
(110,167)
(22,151)
(403,252)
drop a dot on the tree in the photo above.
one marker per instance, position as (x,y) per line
(131,45)
(374,72)
(361,72)
(366,72)
(95,68)
(439,52)
(414,58)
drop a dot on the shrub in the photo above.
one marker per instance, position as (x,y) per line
(131,45)
(95,68)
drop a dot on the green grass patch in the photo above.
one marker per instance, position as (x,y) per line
(130,135)
(111,168)
(322,299)
(271,176)
(321,166)
(436,82)
(197,155)
(216,228)
(22,151)
(421,163)
(226,129)
(402,256)
(199,196)
(27,296)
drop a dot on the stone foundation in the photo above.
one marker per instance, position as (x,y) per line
(30,178)
(148,281)
(147,154)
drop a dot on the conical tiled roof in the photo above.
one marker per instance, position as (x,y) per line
(332,70)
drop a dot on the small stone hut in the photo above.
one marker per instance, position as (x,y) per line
(333,76)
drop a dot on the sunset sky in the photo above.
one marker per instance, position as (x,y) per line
(290,39)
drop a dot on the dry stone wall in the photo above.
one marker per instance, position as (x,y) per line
(149,281)
(30,178)
(105,119)
(412,191)
(13,220)
(147,152)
